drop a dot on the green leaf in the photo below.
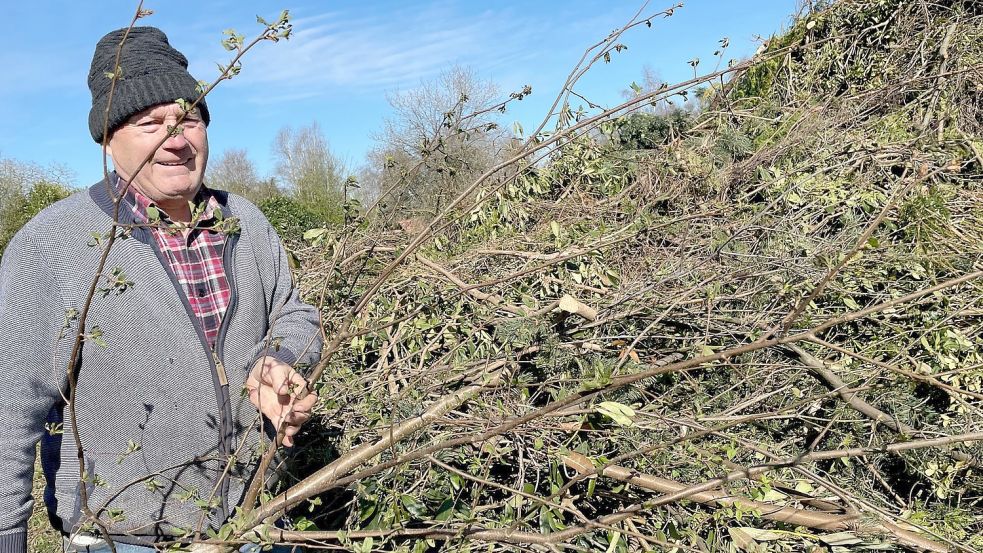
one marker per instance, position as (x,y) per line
(804,487)
(614,538)
(293,261)
(367,510)
(744,537)
(303,523)
(619,413)
(96,336)
(364,547)
(555,228)
(445,510)
(773,495)
(315,233)
(414,507)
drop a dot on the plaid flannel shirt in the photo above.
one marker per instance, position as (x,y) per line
(194,254)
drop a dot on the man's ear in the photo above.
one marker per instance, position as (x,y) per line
(109,153)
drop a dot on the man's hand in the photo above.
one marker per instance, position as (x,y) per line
(273,388)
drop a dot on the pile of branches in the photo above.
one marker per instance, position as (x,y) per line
(762,333)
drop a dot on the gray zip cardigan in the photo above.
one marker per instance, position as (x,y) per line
(159,413)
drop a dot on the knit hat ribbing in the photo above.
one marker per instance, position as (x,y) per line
(151,72)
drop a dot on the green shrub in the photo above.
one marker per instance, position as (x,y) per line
(645,131)
(20,207)
(291,218)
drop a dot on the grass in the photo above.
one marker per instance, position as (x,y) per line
(41,537)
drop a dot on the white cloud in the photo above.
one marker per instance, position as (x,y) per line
(384,51)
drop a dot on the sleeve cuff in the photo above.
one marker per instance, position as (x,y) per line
(282,355)
(287,356)
(14,541)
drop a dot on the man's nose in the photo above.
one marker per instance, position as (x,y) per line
(175,139)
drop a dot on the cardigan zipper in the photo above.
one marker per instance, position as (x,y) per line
(218,352)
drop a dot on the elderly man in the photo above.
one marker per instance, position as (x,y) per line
(193,331)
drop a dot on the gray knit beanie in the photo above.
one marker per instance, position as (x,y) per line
(151,72)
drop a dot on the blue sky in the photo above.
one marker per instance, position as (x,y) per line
(343,58)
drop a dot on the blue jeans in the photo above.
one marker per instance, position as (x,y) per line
(100,546)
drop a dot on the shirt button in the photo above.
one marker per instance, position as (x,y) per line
(202,292)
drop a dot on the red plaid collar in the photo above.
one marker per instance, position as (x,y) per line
(142,207)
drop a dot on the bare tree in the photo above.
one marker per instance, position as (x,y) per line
(235,172)
(306,164)
(436,125)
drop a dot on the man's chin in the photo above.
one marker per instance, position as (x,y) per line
(180,187)
(169,192)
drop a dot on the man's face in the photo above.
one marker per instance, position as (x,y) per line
(174,172)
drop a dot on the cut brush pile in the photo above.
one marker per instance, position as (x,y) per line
(752,327)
